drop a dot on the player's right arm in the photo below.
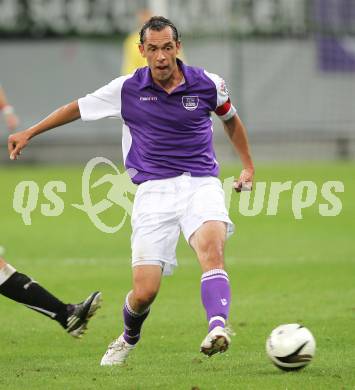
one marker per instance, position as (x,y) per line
(65,114)
(103,103)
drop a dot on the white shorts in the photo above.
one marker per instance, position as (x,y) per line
(162,208)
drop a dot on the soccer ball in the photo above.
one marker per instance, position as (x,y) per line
(290,347)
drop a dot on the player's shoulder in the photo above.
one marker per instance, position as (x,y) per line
(140,73)
(204,76)
(193,73)
(138,76)
(216,79)
(197,75)
(121,79)
(219,84)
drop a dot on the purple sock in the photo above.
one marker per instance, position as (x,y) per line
(216,297)
(133,322)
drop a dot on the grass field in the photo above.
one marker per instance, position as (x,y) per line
(282,270)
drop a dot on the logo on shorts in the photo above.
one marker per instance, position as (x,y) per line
(190,103)
(224,301)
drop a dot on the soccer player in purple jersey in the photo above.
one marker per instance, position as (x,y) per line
(167,149)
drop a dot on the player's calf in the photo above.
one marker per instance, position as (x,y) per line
(118,351)
(216,296)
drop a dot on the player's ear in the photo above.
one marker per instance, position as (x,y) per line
(178,46)
(141,50)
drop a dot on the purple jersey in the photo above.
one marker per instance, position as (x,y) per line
(164,134)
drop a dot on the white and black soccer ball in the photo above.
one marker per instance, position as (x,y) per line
(291,347)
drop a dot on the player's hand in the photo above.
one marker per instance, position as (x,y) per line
(11,121)
(245,181)
(16,142)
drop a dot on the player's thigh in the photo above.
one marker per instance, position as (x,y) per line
(207,203)
(156,242)
(155,225)
(206,223)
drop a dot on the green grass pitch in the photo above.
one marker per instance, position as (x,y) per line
(282,270)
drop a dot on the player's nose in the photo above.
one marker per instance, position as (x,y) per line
(161,55)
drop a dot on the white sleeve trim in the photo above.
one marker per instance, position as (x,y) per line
(6,272)
(126,141)
(222,92)
(103,103)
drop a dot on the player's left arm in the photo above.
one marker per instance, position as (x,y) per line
(236,132)
(238,136)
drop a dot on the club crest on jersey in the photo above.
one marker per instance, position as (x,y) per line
(190,103)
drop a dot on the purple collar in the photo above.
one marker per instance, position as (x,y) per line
(190,77)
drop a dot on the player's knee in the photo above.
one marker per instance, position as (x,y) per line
(211,255)
(143,297)
(212,252)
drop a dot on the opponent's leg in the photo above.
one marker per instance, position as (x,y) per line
(21,288)
(146,283)
(208,242)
